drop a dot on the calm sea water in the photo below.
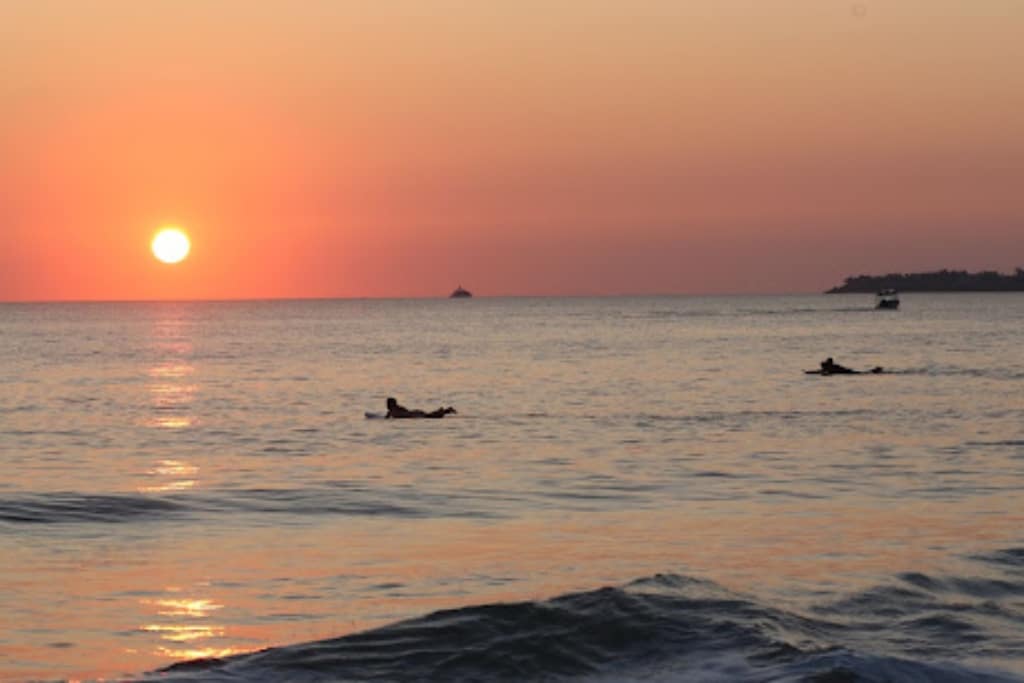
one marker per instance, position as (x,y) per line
(633,488)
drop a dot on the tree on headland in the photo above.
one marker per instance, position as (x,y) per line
(935,281)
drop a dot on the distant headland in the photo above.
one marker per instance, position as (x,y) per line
(936,281)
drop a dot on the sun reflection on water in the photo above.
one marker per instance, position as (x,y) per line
(170,370)
(198,608)
(205,653)
(170,487)
(169,391)
(171,394)
(181,628)
(177,422)
(181,474)
(184,634)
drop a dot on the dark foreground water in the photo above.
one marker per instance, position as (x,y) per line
(668,628)
(633,489)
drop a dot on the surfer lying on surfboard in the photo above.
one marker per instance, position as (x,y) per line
(396,410)
(830,367)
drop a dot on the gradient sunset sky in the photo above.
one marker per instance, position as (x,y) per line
(327,148)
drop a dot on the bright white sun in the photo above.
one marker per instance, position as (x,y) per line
(170,245)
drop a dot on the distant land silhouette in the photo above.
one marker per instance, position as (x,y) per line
(936,281)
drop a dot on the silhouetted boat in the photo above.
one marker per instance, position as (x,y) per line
(887,298)
(460,293)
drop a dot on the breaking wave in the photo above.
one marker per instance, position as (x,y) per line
(670,627)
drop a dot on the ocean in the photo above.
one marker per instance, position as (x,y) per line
(633,488)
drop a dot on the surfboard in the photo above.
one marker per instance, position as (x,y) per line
(830,374)
(873,371)
(375,416)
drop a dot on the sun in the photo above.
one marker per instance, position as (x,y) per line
(170,245)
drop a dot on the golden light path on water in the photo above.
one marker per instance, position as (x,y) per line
(171,394)
(185,637)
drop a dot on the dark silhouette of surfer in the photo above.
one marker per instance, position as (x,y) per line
(397,411)
(830,367)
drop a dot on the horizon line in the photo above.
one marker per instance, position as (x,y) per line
(258,299)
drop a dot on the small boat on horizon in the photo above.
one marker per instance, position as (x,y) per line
(460,293)
(887,299)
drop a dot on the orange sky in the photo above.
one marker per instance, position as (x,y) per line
(343,148)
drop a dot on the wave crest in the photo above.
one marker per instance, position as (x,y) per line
(63,507)
(664,627)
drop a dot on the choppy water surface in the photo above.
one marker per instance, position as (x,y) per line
(634,488)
